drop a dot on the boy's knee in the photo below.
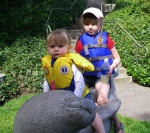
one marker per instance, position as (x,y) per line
(101,101)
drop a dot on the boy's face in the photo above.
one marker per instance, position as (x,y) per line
(57,50)
(92,27)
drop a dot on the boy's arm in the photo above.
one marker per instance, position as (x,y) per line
(116,61)
(116,57)
(46,86)
(78,46)
(110,42)
(79,81)
(115,54)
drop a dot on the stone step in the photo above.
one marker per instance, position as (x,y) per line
(2,76)
(122,70)
(123,79)
(75,25)
(73,42)
(95,2)
(72,50)
(75,33)
(108,7)
(122,75)
(102,5)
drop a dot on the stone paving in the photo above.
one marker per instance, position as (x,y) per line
(135,100)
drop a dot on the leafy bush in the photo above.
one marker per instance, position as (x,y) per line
(22,66)
(135,19)
(19,17)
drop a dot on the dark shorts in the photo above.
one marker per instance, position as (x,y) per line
(91,81)
(88,96)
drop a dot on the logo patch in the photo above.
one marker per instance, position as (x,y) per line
(46,72)
(64,70)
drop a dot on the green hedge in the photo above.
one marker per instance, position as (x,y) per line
(25,18)
(134,17)
(22,67)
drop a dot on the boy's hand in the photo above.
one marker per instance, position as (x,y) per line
(110,72)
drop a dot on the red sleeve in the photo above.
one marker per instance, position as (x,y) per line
(78,46)
(110,42)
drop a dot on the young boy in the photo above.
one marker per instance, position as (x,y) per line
(95,46)
(62,69)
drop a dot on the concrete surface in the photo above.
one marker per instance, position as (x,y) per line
(135,100)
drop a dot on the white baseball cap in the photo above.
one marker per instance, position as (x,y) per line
(95,11)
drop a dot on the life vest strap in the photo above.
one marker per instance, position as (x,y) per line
(97,69)
(94,46)
(98,58)
(85,47)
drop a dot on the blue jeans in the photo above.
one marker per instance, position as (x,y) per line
(88,96)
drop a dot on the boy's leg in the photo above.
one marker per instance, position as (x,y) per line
(118,126)
(98,124)
(102,91)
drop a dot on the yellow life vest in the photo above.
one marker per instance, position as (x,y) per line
(61,72)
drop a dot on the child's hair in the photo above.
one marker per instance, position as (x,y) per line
(90,18)
(58,36)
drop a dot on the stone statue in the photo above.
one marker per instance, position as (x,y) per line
(61,111)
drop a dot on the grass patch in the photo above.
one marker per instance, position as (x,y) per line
(9,110)
(134,126)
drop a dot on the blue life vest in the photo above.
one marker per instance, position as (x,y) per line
(95,53)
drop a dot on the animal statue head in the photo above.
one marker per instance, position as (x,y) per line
(61,111)
(54,112)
